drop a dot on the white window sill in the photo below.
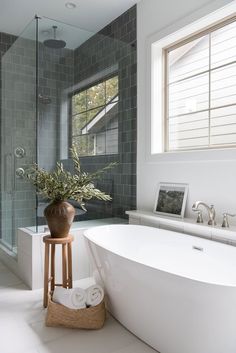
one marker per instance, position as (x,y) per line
(224,154)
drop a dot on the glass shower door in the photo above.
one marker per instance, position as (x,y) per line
(18,135)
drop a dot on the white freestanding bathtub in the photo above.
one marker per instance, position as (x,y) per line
(175,292)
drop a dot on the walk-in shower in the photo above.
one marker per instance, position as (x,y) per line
(62,84)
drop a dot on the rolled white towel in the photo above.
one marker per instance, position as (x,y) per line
(60,295)
(71,298)
(78,298)
(95,295)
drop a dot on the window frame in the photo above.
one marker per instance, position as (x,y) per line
(78,91)
(165,51)
(150,97)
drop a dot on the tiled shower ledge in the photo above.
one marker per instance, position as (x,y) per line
(79,225)
(185,225)
(29,263)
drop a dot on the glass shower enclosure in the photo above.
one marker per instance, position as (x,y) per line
(42,71)
(37,74)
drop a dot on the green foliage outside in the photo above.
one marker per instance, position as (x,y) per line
(85,106)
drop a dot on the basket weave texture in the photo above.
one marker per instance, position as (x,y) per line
(92,318)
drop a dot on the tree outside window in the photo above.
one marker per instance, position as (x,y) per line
(95,118)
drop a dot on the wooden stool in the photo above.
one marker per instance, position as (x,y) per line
(50,244)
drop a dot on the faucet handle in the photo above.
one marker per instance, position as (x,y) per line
(212,207)
(199,215)
(225,222)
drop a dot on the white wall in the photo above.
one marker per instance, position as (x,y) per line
(211,179)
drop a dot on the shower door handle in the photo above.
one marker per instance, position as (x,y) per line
(20,172)
(7,176)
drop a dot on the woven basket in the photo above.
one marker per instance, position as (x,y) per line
(92,318)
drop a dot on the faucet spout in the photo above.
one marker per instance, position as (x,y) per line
(210,209)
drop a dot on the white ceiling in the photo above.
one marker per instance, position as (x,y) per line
(91,15)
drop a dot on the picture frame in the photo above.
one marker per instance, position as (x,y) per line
(171,199)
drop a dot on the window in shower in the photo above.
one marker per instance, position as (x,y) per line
(95,118)
(200,90)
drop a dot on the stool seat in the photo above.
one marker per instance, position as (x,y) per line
(50,249)
(48,239)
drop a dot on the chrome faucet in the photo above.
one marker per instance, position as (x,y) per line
(210,209)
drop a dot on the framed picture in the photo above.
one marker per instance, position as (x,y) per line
(171,199)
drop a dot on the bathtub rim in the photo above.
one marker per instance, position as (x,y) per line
(211,283)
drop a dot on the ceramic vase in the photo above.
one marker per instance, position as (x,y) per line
(59,216)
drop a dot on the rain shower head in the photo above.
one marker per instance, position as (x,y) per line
(54,43)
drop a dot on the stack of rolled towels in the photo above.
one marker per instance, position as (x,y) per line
(87,293)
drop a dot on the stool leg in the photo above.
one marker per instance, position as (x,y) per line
(46,268)
(53,249)
(64,266)
(69,265)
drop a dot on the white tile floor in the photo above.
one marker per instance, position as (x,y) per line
(22,328)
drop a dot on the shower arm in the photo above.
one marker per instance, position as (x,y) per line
(54,32)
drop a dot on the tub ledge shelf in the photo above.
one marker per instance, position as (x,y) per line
(185,225)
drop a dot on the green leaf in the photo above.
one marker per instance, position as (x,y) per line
(62,185)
